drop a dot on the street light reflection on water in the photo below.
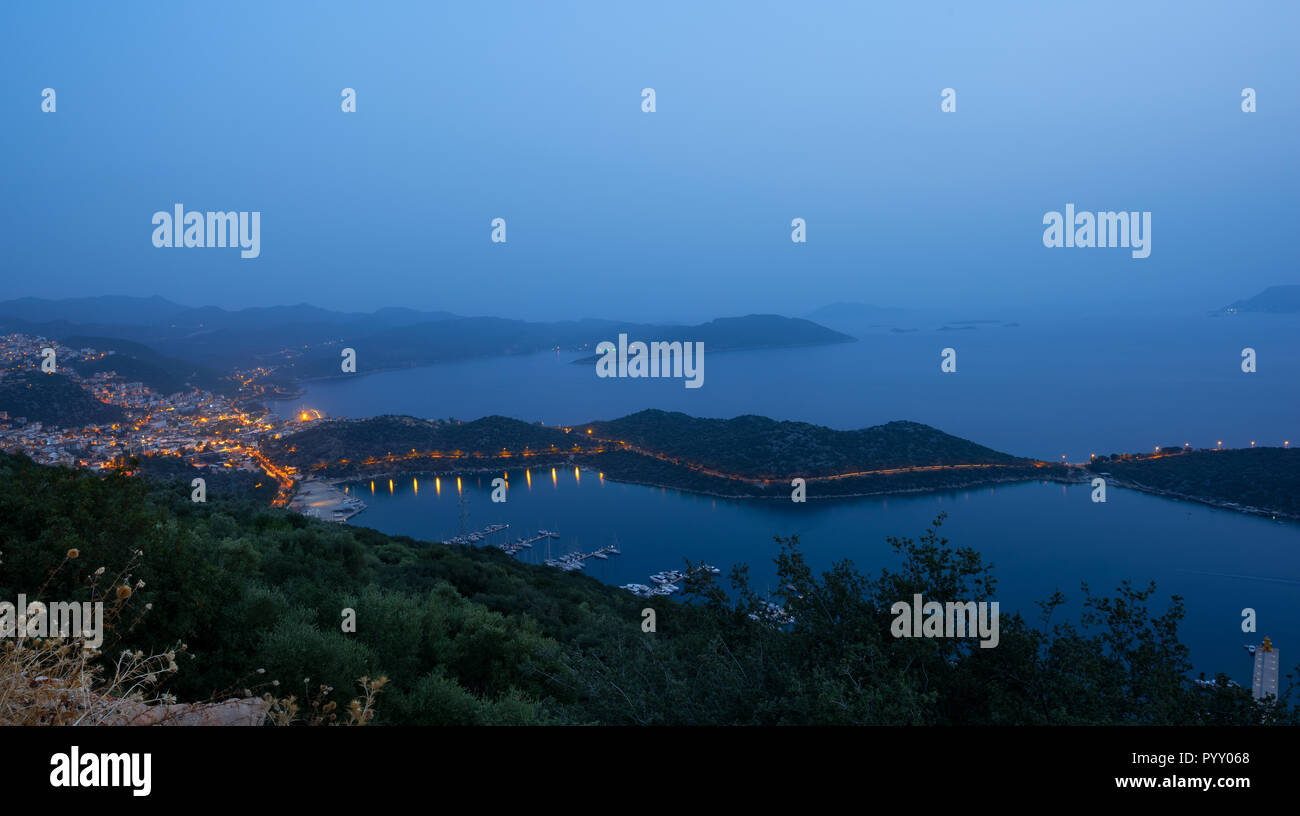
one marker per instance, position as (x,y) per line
(656,528)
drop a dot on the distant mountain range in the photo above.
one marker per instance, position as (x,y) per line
(1275,299)
(119,310)
(212,339)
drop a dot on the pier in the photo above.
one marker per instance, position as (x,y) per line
(577,561)
(525,543)
(478,535)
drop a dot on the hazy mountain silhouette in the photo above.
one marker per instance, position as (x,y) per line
(1277,299)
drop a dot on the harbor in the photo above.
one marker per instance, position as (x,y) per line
(514,548)
(578,560)
(588,513)
(568,562)
(667,582)
(477,536)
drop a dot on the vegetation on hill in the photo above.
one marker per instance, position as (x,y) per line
(759,447)
(629,466)
(746,456)
(388,435)
(1267,479)
(53,400)
(135,362)
(471,636)
(221,481)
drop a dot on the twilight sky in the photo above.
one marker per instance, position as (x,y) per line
(765,112)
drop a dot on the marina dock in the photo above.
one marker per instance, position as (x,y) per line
(577,561)
(478,535)
(513,548)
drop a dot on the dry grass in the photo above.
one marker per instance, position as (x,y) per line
(360,710)
(58,681)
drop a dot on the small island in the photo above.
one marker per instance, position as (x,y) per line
(745,457)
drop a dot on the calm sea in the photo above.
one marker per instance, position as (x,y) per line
(1039,536)
(1038,389)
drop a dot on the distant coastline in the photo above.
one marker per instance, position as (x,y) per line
(592,358)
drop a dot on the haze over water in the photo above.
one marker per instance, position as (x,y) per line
(1042,389)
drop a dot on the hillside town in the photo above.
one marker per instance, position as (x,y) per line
(203,428)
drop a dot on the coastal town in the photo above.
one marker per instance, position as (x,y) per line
(202,428)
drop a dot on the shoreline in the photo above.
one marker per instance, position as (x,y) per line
(1220,504)
(1084,477)
(335,481)
(321,499)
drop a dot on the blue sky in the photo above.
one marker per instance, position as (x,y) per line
(766,112)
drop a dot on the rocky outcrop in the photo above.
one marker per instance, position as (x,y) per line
(246,711)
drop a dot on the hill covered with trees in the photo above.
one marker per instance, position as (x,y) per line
(53,400)
(469,636)
(381,437)
(135,362)
(1263,479)
(756,446)
(749,456)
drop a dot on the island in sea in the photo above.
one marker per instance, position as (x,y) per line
(744,457)
(751,457)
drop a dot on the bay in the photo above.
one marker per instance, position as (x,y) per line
(1039,536)
(1046,387)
